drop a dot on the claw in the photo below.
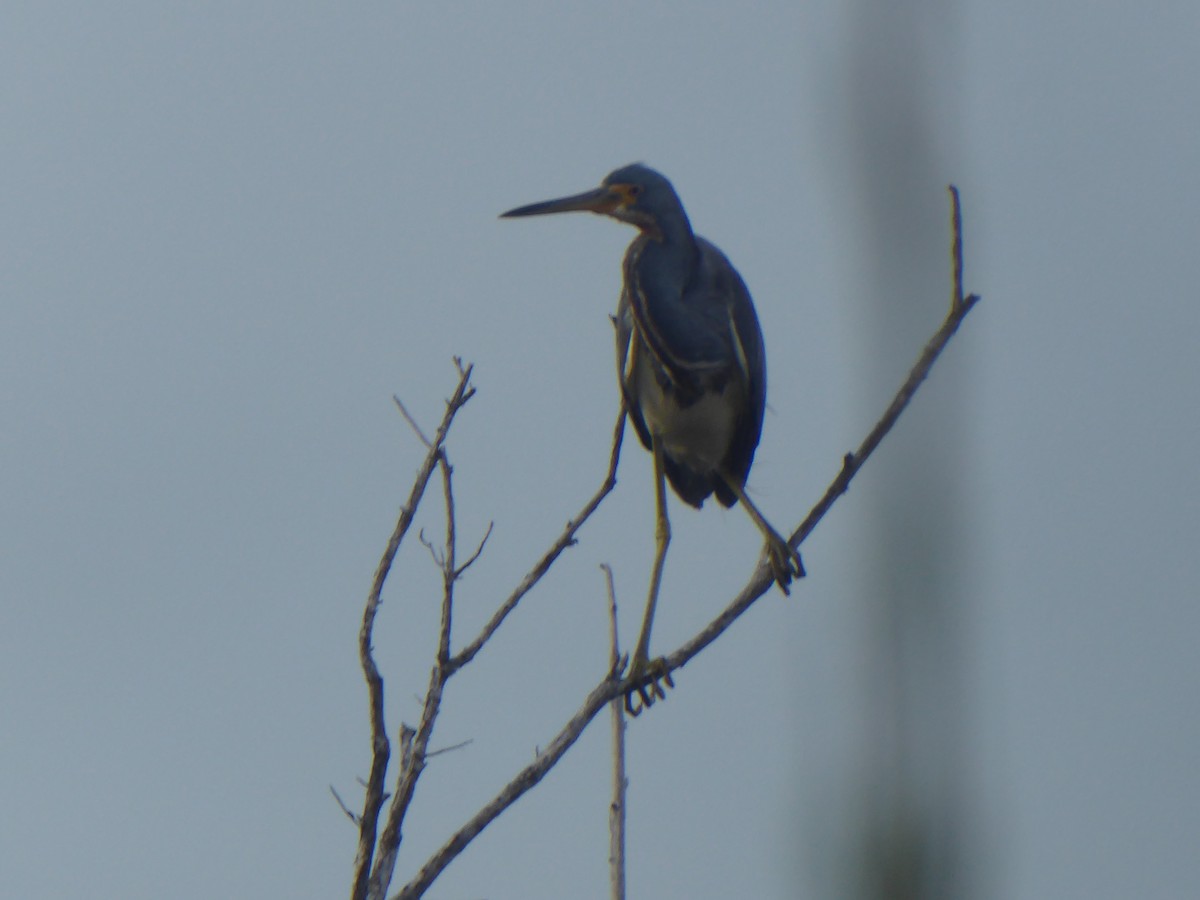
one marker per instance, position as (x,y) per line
(785,563)
(648,680)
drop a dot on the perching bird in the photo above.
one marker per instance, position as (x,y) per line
(691,368)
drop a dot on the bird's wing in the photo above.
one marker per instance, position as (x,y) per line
(687,344)
(731,313)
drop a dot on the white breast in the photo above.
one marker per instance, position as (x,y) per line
(697,435)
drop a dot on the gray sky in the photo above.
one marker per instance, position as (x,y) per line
(231,232)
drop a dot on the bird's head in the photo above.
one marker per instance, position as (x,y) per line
(635,194)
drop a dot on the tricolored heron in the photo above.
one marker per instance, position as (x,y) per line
(691,367)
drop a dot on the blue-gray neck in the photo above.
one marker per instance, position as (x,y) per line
(670,257)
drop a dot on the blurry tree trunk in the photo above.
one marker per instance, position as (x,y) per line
(909,808)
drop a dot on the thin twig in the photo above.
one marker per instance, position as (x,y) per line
(611,687)
(380,747)
(350,814)
(956,248)
(566,539)
(449,569)
(412,423)
(434,553)
(616,811)
(474,556)
(430,754)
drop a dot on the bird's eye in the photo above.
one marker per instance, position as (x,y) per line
(634,190)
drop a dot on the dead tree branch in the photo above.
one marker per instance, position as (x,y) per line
(415,743)
(380,746)
(616,811)
(376,856)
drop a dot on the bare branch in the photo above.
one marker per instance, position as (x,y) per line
(380,747)
(474,556)
(412,423)
(452,747)
(353,816)
(566,539)
(616,811)
(415,754)
(449,572)
(438,559)
(411,766)
(956,249)
(389,841)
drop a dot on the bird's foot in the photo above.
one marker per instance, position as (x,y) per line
(784,561)
(648,680)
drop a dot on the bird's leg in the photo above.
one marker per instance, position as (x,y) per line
(785,562)
(641,667)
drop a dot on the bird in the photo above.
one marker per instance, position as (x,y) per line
(691,369)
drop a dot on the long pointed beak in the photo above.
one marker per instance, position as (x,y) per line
(601,200)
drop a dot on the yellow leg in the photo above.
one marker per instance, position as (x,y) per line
(785,562)
(641,665)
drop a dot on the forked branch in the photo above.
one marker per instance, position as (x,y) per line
(376,855)
(368,822)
